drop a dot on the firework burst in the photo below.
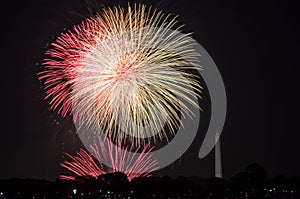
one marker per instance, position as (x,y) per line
(122,68)
(132,164)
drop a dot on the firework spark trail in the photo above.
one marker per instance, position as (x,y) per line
(82,164)
(136,165)
(112,68)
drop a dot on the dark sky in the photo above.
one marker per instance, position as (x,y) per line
(254,44)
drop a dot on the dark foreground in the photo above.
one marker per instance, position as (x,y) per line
(252,183)
(115,185)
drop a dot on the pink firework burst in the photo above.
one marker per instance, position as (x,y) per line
(132,164)
(82,164)
(63,60)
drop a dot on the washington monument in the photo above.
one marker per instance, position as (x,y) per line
(218,157)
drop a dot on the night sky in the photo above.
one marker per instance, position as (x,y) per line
(255,45)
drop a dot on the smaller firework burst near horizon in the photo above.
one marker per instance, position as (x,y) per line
(83,164)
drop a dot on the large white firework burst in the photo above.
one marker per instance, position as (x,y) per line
(122,69)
